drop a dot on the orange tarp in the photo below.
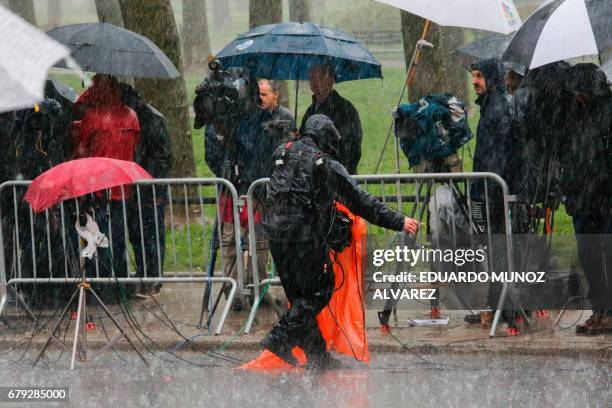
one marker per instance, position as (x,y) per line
(342,323)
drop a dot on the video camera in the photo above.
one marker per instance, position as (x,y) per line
(225,97)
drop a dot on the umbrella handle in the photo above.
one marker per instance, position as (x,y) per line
(412,72)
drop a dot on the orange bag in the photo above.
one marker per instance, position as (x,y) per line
(342,322)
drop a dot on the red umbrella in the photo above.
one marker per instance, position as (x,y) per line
(78,177)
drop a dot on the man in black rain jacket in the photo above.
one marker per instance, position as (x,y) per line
(494,139)
(533,174)
(327,101)
(495,129)
(587,184)
(153,154)
(42,142)
(300,209)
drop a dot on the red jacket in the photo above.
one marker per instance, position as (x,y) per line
(108,129)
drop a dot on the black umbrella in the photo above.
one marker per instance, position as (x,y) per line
(492,46)
(563,30)
(107,49)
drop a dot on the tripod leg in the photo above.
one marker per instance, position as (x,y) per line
(118,326)
(76,329)
(57,325)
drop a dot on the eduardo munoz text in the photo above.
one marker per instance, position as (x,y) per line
(459,257)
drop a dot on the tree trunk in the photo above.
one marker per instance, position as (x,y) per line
(299,10)
(221,14)
(155,20)
(109,12)
(196,42)
(266,12)
(437,71)
(24,9)
(54,13)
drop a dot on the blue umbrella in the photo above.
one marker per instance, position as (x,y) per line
(289,50)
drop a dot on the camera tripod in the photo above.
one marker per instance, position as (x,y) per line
(82,289)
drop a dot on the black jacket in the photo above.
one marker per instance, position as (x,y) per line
(154,152)
(346,119)
(305,182)
(246,156)
(495,131)
(8,132)
(586,154)
(541,128)
(42,140)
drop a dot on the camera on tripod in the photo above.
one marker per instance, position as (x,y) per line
(225,97)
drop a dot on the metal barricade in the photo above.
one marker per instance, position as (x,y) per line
(411,195)
(157,245)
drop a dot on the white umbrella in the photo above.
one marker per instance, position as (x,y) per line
(563,30)
(500,16)
(26,54)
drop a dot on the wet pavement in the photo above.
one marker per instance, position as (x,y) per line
(391,380)
(453,365)
(174,315)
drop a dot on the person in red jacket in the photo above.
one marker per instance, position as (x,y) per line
(108,128)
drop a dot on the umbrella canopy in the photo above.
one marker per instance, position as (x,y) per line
(500,16)
(26,54)
(492,46)
(290,50)
(79,177)
(108,49)
(561,30)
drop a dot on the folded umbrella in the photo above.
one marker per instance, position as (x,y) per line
(79,177)
(563,30)
(289,50)
(108,49)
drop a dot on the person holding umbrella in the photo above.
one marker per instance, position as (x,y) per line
(108,128)
(586,182)
(327,101)
(153,154)
(322,55)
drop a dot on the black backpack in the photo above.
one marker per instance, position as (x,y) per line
(292,211)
